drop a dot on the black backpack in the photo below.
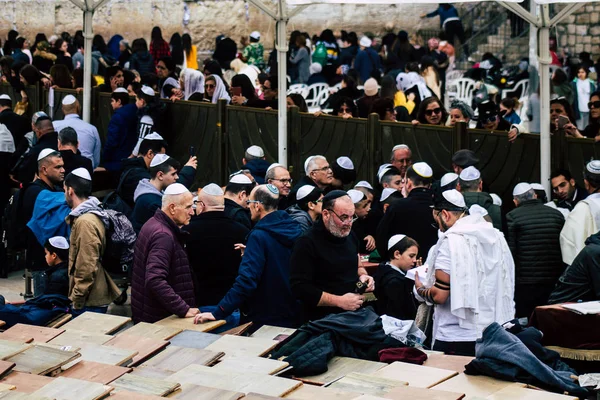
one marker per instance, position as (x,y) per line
(113,200)
(120,241)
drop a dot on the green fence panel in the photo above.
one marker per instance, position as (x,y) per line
(56,106)
(33,95)
(103,114)
(579,152)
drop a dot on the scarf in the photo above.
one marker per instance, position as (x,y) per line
(193,82)
(220,90)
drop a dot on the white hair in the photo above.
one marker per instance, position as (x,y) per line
(176,199)
(311,163)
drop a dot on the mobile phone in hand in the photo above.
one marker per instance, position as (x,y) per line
(236,91)
(562,121)
(192,151)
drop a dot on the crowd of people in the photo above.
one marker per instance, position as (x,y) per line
(259,247)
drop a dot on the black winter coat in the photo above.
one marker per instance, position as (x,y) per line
(534,241)
(394,292)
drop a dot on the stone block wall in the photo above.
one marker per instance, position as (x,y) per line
(581,31)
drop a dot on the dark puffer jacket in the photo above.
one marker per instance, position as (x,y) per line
(161,283)
(533,237)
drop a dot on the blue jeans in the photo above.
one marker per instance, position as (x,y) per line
(77,313)
(230,322)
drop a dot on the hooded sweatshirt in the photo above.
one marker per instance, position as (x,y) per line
(258,168)
(147,200)
(300,216)
(262,289)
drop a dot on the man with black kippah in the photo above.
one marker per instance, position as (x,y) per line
(324,265)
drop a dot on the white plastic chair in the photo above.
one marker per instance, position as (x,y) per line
(299,88)
(523,85)
(465,88)
(316,94)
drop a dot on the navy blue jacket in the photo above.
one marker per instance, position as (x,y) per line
(121,137)
(262,289)
(258,169)
(366,61)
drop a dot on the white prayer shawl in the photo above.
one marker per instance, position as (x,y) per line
(7,143)
(405,81)
(193,82)
(482,278)
(169,81)
(582,222)
(220,90)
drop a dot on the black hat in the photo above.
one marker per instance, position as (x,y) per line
(465,158)
(487,110)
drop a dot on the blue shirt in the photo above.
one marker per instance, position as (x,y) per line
(87,135)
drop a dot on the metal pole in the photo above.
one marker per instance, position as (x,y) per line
(282,49)
(545,60)
(87,64)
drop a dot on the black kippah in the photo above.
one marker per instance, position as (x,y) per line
(334,194)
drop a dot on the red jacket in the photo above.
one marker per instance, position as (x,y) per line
(161,282)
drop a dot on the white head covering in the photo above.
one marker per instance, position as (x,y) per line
(45,153)
(68,100)
(304,191)
(448,178)
(241,179)
(255,35)
(537,186)
(423,169)
(364,184)
(387,192)
(120,90)
(593,167)
(345,162)
(365,42)
(7,97)
(158,159)
(356,195)
(476,209)
(521,188)
(496,199)
(394,240)
(59,242)
(212,189)
(470,174)
(176,188)
(455,197)
(82,173)
(220,91)
(193,82)
(274,165)
(405,81)
(148,91)
(381,168)
(255,151)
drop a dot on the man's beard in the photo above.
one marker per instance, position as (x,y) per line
(335,231)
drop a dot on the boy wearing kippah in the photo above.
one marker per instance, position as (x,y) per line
(57,258)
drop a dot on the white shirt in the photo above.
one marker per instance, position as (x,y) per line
(582,222)
(584,89)
(87,135)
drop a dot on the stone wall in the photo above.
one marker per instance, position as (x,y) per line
(581,31)
(208,18)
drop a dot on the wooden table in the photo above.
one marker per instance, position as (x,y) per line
(6,367)
(242,346)
(188,324)
(107,354)
(194,339)
(95,372)
(338,367)
(12,395)
(415,375)
(9,348)
(251,364)
(474,386)
(23,332)
(175,358)
(74,337)
(366,384)
(188,391)
(26,383)
(143,385)
(311,392)
(145,347)
(41,360)
(273,332)
(125,395)
(414,393)
(151,331)
(97,322)
(73,389)
(443,361)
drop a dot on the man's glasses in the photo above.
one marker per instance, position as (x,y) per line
(284,181)
(429,113)
(344,218)
(325,168)
(594,104)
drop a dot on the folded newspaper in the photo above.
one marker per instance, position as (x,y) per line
(589,307)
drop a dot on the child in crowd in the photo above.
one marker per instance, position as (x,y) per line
(149,110)
(57,257)
(583,87)
(508,110)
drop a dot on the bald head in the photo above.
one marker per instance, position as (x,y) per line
(71,108)
(42,127)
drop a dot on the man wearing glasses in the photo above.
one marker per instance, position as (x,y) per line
(324,265)
(278,176)
(262,290)
(318,174)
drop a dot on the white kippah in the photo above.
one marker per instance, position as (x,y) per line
(394,240)
(175,189)
(82,173)
(255,151)
(158,159)
(387,192)
(537,186)
(381,168)
(306,164)
(382,173)
(45,153)
(470,174)
(521,188)
(423,169)
(274,165)
(5,97)
(455,197)
(68,100)
(594,167)
(496,199)
(304,191)
(400,146)
(364,184)
(448,178)
(148,91)
(153,136)
(212,189)
(356,195)
(59,242)
(120,90)
(241,179)
(345,163)
(476,209)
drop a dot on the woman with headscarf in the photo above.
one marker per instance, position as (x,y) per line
(190,52)
(159,48)
(114,47)
(248,93)
(192,84)
(124,53)
(168,83)
(460,112)
(215,90)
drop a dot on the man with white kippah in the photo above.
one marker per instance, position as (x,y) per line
(318,173)
(121,134)
(448,181)
(279,176)
(584,220)
(262,290)
(90,286)
(411,216)
(308,207)
(361,227)
(46,138)
(470,277)
(161,278)
(211,247)
(17,125)
(50,176)
(89,139)
(540,193)
(236,193)
(254,160)
(533,236)
(470,185)
(401,158)
(344,172)
(68,145)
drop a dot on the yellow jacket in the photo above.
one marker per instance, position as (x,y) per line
(192,58)
(400,100)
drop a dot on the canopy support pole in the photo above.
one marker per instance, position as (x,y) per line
(544,60)
(282,48)
(88,16)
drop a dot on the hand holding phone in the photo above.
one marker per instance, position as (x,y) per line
(236,91)
(562,121)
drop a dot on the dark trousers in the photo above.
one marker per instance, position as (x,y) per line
(455,348)
(528,297)
(454,29)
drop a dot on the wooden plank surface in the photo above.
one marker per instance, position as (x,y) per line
(59,321)
(238,330)
(258,396)
(106,354)
(413,393)
(9,348)
(125,395)
(41,360)
(143,385)
(341,366)
(151,331)
(474,386)
(242,346)
(366,384)
(515,392)
(26,383)
(444,361)
(97,322)
(258,365)
(194,339)
(6,367)
(188,391)
(175,358)
(95,372)
(273,332)
(244,382)
(311,392)
(188,324)
(145,347)
(73,389)
(74,337)
(152,372)
(5,386)
(22,332)
(415,375)
(12,395)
